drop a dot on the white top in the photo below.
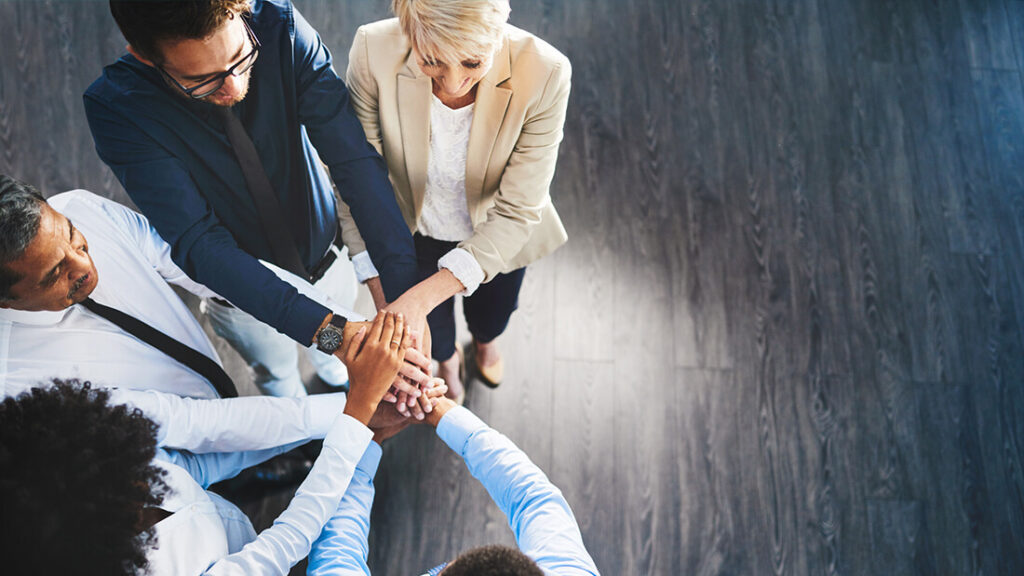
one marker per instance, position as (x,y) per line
(445,213)
(135,267)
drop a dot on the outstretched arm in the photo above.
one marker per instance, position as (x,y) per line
(538,514)
(233,424)
(343,546)
(373,356)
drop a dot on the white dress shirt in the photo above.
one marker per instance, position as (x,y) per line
(134,267)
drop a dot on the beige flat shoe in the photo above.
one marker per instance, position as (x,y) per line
(491,375)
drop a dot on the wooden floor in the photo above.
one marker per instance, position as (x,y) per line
(786,334)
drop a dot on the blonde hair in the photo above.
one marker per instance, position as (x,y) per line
(452,30)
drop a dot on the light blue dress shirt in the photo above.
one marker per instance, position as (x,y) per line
(538,514)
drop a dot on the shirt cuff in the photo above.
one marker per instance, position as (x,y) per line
(457,425)
(347,432)
(364,267)
(464,267)
(371,459)
(322,410)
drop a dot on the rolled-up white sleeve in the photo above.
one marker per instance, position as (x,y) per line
(364,267)
(462,264)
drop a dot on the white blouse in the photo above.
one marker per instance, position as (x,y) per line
(445,215)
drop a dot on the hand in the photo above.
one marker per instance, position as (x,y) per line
(373,358)
(441,407)
(387,422)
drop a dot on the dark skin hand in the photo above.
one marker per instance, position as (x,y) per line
(374,357)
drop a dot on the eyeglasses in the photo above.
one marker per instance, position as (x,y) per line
(207,87)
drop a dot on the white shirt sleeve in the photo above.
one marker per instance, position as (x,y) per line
(464,267)
(364,267)
(289,540)
(233,424)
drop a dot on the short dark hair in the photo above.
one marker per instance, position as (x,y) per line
(20,212)
(147,23)
(75,474)
(493,560)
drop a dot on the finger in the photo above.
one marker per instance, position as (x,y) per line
(418,359)
(424,404)
(406,339)
(389,328)
(414,374)
(377,328)
(353,348)
(390,397)
(402,409)
(404,386)
(399,334)
(416,409)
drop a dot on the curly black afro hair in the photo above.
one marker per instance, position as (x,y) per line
(75,473)
(493,560)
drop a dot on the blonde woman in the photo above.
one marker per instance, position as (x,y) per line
(467,112)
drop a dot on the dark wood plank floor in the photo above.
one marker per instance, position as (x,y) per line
(786,334)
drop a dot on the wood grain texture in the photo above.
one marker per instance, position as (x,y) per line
(787,333)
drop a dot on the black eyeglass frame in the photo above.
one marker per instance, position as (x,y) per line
(216,82)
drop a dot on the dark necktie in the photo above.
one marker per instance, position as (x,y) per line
(190,357)
(272,216)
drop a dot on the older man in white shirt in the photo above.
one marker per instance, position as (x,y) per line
(85,293)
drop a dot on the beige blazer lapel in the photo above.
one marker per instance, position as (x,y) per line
(414,119)
(491,104)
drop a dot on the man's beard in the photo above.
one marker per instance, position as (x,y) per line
(229,103)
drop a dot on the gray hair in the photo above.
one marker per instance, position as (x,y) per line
(20,212)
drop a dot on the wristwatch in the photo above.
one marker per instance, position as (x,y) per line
(328,339)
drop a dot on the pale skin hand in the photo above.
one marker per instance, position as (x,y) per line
(414,373)
(373,357)
(386,422)
(441,408)
(415,304)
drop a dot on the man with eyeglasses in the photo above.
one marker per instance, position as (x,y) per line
(216,123)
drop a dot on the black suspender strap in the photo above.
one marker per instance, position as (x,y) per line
(190,357)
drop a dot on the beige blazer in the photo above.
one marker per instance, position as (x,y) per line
(513,142)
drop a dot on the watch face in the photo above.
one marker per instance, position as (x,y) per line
(329,339)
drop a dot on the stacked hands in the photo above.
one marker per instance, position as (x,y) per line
(384,365)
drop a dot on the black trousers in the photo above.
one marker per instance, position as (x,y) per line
(487,310)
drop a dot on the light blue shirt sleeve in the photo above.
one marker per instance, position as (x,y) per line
(281,546)
(208,469)
(233,424)
(538,514)
(343,545)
